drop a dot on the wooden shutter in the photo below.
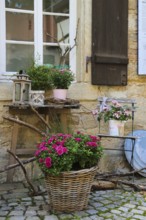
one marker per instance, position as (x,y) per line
(109,42)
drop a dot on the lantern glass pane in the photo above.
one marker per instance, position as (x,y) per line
(17,91)
(26,93)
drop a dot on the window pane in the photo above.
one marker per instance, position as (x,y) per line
(55,29)
(20,4)
(19,57)
(51,55)
(19,26)
(60,6)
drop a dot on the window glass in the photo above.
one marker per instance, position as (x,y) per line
(19,26)
(55,29)
(58,6)
(52,55)
(19,56)
(20,4)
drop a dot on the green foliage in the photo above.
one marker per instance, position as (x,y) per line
(40,77)
(61,78)
(65,152)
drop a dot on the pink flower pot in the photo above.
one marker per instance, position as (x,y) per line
(60,93)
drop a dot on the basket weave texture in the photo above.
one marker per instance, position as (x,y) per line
(70,191)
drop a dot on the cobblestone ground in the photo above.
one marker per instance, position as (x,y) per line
(17,204)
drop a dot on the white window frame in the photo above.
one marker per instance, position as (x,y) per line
(38,38)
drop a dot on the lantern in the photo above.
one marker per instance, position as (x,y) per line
(21,88)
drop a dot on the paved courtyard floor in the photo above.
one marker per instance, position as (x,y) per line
(119,204)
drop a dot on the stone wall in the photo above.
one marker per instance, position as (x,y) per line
(82,119)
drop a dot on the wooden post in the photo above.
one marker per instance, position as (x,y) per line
(13,149)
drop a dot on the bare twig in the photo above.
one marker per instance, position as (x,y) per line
(110,175)
(25,124)
(54,38)
(42,119)
(17,164)
(68,48)
(24,171)
(127,183)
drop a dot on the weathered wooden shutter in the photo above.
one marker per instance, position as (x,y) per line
(109,42)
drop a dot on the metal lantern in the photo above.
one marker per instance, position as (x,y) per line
(21,88)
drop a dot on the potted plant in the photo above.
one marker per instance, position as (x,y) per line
(40,82)
(61,79)
(69,163)
(117,115)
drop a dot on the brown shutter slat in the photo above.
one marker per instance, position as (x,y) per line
(109,42)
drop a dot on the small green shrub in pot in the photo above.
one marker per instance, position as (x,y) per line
(61,78)
(40,77)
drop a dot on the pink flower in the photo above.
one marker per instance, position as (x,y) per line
(48,162)
(43,149)
(59,142)
(91,144)
(37,153)
(61,150)
(116,103)
(50,140)
(54,146)
(43,144)
(41,160)
(78,139)
(65,150)
(94,138)
(95,112)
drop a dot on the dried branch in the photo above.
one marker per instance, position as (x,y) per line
(68,48)
(42,119)
(25,124)
(127,183)
(54,38)
(110,175)
(17,164)
(24,171)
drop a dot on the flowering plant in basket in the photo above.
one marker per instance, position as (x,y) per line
(67,152)
(114,111)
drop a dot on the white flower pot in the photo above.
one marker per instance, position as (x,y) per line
(60,93)
(116,127)
(37,97)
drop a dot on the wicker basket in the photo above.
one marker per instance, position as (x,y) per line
(69,191)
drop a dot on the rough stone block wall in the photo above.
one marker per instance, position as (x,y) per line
(82,119)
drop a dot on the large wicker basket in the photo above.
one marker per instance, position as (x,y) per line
(69,191)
